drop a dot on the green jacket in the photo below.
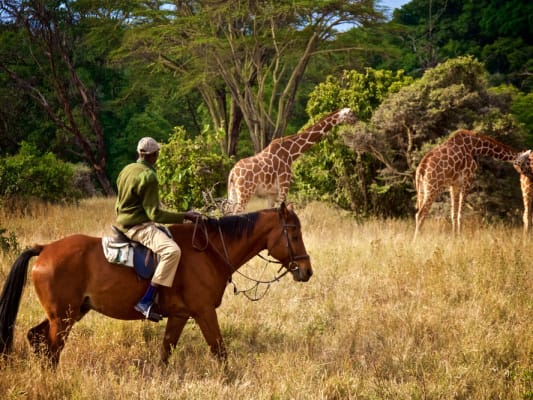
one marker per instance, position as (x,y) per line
(138,197)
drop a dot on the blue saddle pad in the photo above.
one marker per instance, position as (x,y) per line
(144,261)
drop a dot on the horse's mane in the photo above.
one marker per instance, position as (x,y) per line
(233,225)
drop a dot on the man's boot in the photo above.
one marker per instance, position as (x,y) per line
(144,306)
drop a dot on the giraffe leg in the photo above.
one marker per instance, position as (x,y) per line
(422,212)
(455,208)
(468,175)
(527,198)
(238,202)
(526,218)
(240,187)
(527,212)
(283,188)
(458,192)
(462,197)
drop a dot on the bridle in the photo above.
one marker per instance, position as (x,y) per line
(290,265)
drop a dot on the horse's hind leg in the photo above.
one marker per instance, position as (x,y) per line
(48,338)
(37,337)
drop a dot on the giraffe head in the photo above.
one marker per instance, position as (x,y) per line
(347,116)
(522,164)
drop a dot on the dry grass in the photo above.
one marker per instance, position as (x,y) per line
(382,318)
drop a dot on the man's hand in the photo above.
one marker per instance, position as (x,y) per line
(192,216)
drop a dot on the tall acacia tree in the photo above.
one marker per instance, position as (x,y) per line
(245,58)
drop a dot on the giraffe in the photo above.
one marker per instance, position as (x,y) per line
(453,165)
(268,173)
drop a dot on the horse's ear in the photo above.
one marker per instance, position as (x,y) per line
(286,208)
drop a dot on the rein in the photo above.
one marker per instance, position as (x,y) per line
(291,265)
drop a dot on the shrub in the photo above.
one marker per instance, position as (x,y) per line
(8,241)
(29,175)
(330,170)
(189,170)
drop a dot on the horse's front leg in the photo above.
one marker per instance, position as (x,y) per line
(208,322)
(175,325)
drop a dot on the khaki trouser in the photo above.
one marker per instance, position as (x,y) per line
(169,253)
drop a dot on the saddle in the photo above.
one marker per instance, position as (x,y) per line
(119,249)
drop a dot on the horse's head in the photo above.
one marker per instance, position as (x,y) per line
(286,245)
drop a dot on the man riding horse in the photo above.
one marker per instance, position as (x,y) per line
(137,212)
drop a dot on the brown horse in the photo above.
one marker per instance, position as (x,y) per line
(71,277)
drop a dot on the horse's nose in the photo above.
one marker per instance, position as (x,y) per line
(305,273)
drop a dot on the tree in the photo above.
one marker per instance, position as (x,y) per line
(245,59)
(496,32)
(191,172)
(46,62)
(453,95)
(330,170)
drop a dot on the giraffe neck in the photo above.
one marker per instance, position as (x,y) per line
(296,145)
(486,146)
(300,143)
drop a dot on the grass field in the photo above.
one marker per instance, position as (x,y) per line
(382,318)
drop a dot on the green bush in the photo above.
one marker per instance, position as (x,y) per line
(330,170)
(29,175)
(191,172)
(8,242)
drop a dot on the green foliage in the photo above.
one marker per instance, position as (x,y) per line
(8,242)
(375,175)
(522,109)
(453,95)
(496,32)
(330,170)
(245,60)
(178,68)
(190,169)
(29,175)
(122,147)
(313,173)
(362,92)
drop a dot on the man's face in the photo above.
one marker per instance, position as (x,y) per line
(151,158)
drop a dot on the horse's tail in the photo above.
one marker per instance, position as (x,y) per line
(11,295)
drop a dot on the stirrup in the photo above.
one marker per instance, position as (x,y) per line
(148,313)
